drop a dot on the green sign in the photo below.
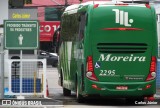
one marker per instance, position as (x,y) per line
(21,34)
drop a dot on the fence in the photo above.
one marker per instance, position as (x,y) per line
(27,77)
(158,77)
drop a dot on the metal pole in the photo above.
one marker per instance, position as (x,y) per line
(2,68)
(2,76)
(21,74)
(35,83)
(21,90)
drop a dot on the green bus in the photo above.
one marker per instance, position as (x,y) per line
(108,49)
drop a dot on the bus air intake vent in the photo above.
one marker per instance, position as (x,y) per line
(122,47)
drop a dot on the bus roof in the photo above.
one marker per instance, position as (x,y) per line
(134,1)
(74,8)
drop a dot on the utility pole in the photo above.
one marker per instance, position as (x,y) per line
(2,68)
(66,2)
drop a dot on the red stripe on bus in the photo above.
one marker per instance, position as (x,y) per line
(121,29)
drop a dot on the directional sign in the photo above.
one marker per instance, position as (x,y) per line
(21,34)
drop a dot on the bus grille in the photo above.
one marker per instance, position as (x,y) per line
(122,47)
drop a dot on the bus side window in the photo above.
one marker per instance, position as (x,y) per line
(81,29)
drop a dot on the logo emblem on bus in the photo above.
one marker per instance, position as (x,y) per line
(97,65)
(121,17)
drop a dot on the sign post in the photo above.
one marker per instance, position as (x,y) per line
(21,35)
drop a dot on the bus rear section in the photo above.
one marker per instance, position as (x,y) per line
(122,50)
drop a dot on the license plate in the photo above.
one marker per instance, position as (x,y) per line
(122,88)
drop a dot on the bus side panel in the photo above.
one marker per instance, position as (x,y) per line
(68,51)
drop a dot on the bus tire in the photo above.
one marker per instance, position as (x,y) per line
(66,92)
(61,78)
(79,97)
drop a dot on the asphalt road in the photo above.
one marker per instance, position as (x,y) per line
(57,100)
(55,93)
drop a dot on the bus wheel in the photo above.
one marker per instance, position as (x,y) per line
(80,98)
(66,92)
(61,78)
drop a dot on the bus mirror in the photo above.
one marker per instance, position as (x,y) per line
(55,42)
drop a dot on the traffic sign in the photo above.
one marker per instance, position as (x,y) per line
(21,34)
